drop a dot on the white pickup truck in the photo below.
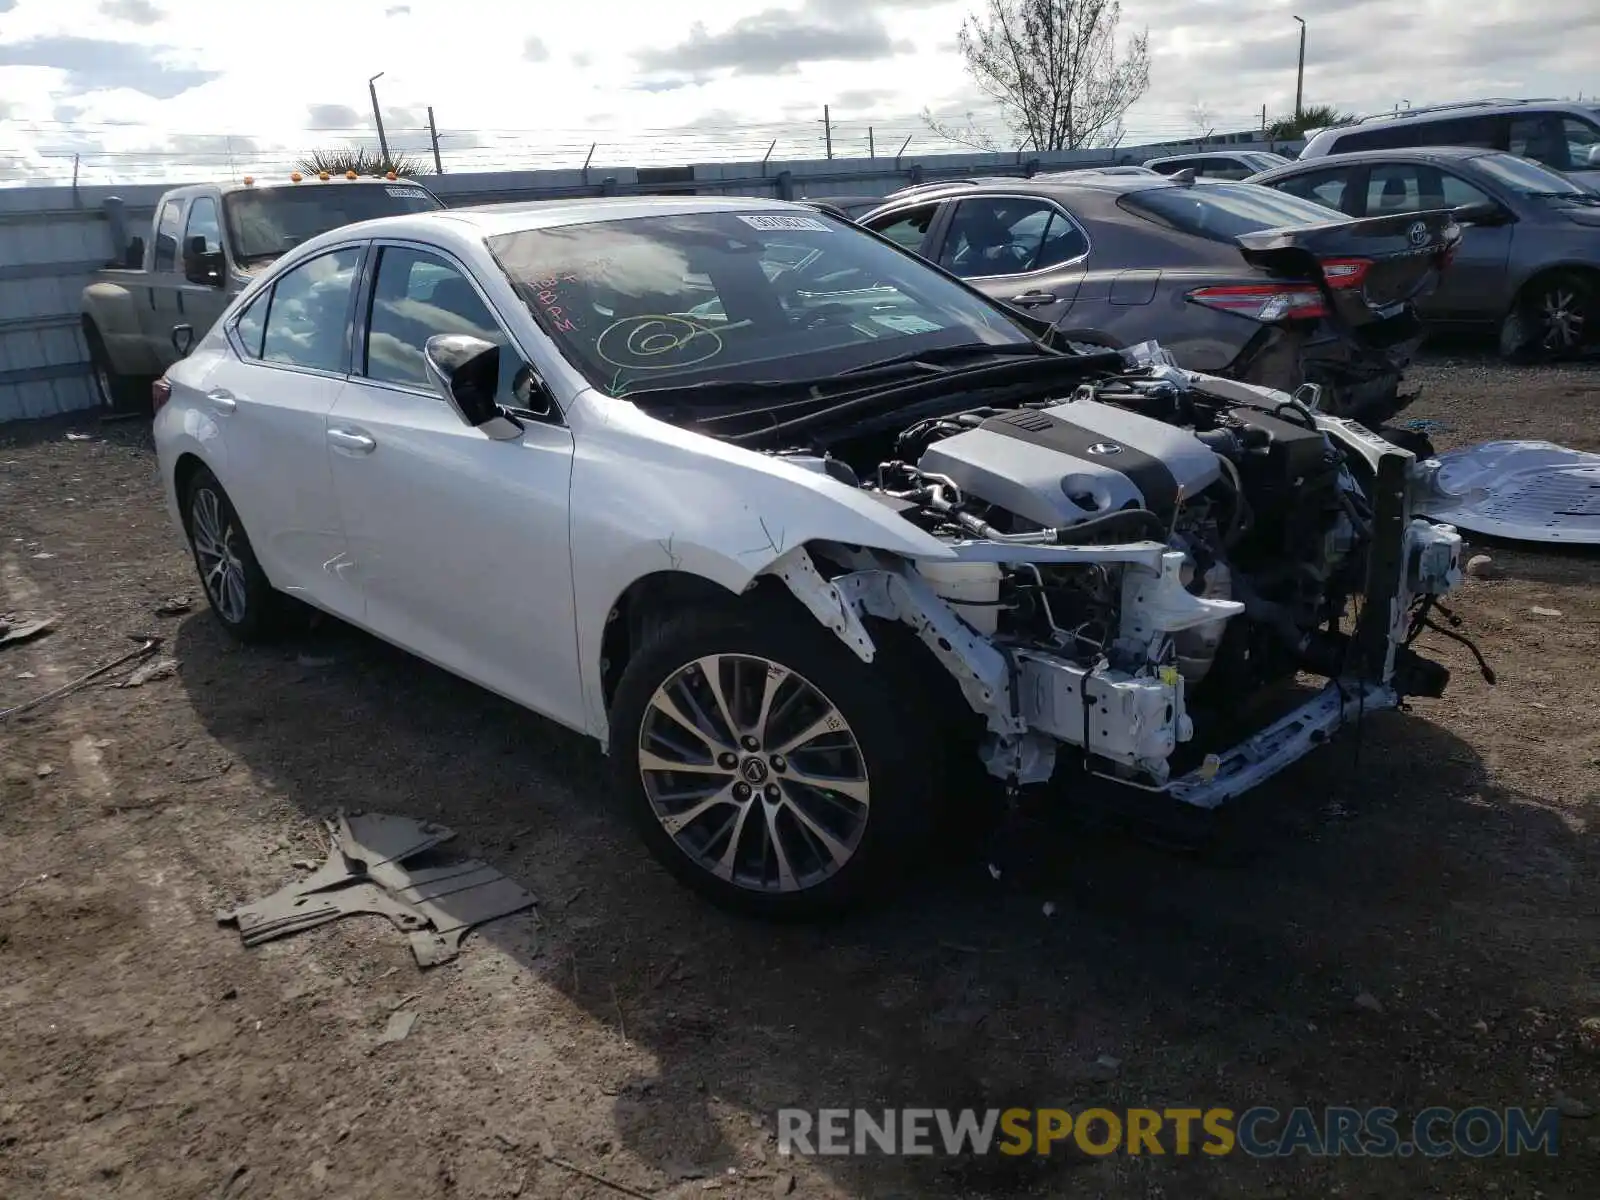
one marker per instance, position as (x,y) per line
(204,245)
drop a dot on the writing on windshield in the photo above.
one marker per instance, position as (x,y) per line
(665,301)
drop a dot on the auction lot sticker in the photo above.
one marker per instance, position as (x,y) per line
(779,221)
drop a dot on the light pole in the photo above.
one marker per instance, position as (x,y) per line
(1299,78)
(383,142)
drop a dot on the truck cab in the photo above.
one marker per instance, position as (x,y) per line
(204,245)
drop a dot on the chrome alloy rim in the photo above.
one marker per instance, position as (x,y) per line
(220,568)
(1562,318)
(754,773)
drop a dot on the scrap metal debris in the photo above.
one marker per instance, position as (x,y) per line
(147,645)
(159,668)
(365,872)
(1524,490)
(173,606)
(13,631)
(400,1023)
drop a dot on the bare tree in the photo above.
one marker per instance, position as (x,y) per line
(1201,121)
(1053,68)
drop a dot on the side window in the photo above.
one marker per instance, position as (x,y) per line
(1394,188)
(1320,187)
(906,228)
(996,235)
(310,307)
(1583,143)
(167,236)
(1455,192)
(1224,168)
(202,242)
(1462,131)
(1063,242)
(1540,136)
(1169,168)
(252,323)
(416,296)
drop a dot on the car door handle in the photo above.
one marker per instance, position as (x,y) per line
(1034,299)
(223,400)
(350,439)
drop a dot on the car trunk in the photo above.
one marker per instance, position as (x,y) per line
(1367,269)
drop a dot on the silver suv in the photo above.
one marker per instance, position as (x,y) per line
(1563,135)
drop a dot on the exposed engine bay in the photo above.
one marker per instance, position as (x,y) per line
(1148,552)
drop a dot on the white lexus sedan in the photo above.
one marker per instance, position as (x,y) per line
(796,524)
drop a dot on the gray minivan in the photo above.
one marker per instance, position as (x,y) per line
(1561,134)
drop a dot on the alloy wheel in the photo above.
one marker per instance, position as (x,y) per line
(221,570)
(1562,319)
(754,773)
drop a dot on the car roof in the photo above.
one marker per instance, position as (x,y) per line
(1218,152)
(1452,154)
(1433,113)
(461,227)
(1070,183)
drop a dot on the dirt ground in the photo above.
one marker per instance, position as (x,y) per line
(1443,868)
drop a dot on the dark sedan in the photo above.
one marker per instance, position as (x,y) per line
(1231,278)
(1529,262)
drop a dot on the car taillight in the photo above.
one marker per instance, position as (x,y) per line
(1264,301)
(1346,272)
(160,393)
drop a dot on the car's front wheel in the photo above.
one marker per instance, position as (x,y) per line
(767,766)
(236,587)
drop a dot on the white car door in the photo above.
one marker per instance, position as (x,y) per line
(270,404)
(459,542)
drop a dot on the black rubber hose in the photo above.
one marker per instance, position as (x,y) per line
(1152,525)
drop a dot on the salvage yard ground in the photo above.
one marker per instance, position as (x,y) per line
(1443,871)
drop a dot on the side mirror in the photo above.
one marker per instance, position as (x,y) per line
(466,372)
(1485,212)
(1592,157)
(183,339)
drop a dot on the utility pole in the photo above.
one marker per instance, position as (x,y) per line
(827,129)
(377,116)
(1300,75)
(433,136)
(872,150)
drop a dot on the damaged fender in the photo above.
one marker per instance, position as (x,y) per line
(644,503)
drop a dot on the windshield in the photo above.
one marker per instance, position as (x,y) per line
(1264,161)
(653,302)
(1525,176)
(1222,211)
(265,222)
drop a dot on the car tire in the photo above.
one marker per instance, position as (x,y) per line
(116,392)
(1553,319)
(234,583)
(839,845)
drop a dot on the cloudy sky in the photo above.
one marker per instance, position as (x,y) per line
(139,88)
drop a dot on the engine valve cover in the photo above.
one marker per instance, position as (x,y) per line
(1073,462)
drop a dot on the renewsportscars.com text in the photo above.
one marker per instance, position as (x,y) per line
(1258,1132)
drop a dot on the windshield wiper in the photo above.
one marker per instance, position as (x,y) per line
(1577,197)
(931,359)
(712,393)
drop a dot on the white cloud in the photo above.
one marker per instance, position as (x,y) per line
(171,71)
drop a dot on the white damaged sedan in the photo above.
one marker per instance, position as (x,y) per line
(793,522)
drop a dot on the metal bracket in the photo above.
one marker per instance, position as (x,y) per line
(825,600)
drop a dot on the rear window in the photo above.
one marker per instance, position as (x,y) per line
(266,222)
(1222,211)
